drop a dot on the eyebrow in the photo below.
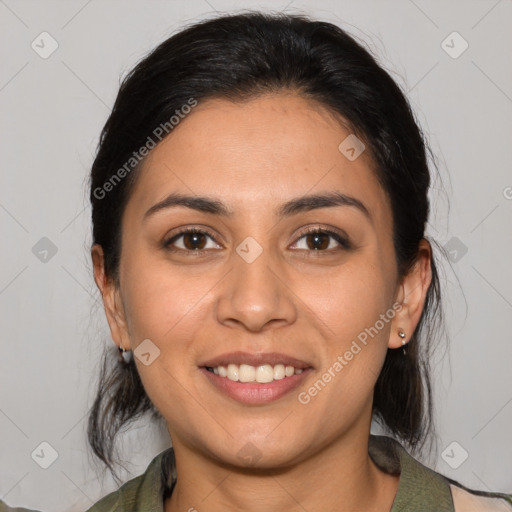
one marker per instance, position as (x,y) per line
(294,206)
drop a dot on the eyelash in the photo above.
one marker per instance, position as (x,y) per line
(344,243)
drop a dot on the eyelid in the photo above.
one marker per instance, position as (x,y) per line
(339,236)
(183,231)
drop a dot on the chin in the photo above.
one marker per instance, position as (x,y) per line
(258,452)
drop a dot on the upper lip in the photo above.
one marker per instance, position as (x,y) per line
(258,359)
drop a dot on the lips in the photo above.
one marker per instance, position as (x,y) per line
(271,358)
(265,390)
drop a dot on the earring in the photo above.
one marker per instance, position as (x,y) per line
(401,333)
(125,354)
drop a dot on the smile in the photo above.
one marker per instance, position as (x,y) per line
(263,373)
(255,378)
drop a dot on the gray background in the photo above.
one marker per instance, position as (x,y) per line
(52,326)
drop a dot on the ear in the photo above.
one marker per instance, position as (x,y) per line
(112,303)
(411,295)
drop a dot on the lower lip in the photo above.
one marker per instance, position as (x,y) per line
(255,393)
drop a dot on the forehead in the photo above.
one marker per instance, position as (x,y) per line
(257,152)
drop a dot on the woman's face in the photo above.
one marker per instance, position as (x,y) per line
(253,290)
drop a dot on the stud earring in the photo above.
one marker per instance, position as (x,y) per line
(125,354)
(401,333)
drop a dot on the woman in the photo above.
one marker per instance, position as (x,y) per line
(259,204)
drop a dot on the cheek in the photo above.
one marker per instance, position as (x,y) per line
(354,308)
(160,299)
(168,307)
(349,300)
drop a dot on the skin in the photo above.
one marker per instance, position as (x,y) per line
(310,304)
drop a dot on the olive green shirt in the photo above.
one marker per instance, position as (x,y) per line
(420,489)
(5,508)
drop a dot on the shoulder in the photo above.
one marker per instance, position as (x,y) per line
(5,508)
(142,491)
(421,488)
(466,500)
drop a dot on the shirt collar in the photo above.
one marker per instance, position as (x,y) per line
(418,484)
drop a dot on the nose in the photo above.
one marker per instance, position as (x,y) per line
(255,295)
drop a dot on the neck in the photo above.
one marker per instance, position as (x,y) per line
(341,477)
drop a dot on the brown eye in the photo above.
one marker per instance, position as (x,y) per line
(317,241)
(322,241)
(194,241)
(190,240)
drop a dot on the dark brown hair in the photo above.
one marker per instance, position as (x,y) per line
(237,57)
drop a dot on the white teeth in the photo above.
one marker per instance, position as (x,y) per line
(247,373)
(233,372)
(263,374)
(279,371)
